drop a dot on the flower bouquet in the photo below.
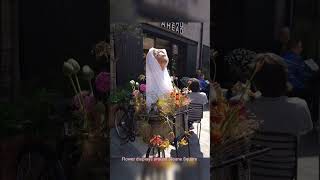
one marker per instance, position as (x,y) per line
(232,123)
(89,111)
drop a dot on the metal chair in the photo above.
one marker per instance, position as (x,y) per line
(195,115)
(281,162)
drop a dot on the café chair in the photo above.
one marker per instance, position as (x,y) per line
(280,163)
(195,115)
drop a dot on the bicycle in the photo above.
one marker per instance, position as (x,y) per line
(40,161)
(125,123)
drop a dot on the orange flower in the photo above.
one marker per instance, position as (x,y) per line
(156,141)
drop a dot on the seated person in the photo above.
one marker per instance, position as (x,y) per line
(298,72)
(278,112)
(204,85)
(196,96)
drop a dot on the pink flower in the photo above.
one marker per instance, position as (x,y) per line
(135,93)
(102,82)
(143,87)
(89,101)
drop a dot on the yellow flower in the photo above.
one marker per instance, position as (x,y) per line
(165,144)
(183,142)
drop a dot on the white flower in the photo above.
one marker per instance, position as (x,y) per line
(142,77)
(75,64)
(137,84)
(132,82)
(172,79)
(87,72)
(67,69)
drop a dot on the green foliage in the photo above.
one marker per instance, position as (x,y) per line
(119,96)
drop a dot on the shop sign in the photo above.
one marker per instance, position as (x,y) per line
(173,26)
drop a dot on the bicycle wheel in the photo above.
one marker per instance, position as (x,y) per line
(120,122)
(38,165)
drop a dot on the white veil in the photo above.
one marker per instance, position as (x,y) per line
(158,81)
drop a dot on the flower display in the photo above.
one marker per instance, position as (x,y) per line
(88,109)
(89,101)
(230,119)
(138,96)
(102,82)
(227,118)
(241,62)
(158,142)
(164,110)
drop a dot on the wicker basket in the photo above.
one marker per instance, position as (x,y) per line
(162,128)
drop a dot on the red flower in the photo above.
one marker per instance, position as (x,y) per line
(156,141)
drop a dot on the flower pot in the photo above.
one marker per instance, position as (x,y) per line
(93,159)
(94,148)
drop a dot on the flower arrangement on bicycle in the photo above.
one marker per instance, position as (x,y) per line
(164,109)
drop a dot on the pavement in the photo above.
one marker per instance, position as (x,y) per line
(308,162)
(309,154)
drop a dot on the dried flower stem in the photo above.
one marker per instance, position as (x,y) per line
(83,107)
(249,82)
(75,91)
(91,89)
